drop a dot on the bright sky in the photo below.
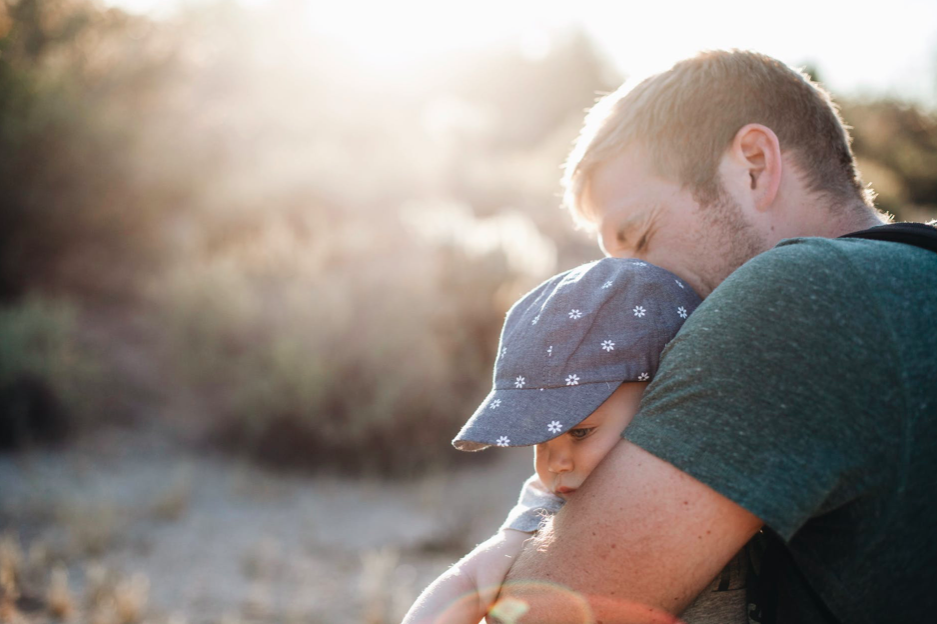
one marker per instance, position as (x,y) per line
(861,47)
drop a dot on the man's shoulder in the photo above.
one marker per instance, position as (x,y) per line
(807,291)
(805,270)
(845,250)
(810,265)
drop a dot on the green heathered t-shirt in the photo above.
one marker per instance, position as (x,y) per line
(804,388)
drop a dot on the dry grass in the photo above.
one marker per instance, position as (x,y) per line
(109,597)
(11,557)
(131,597)
(8,612)
(97,584)
(59,598)
(39,559)
(11,561)
(258,605)
(377,583)
(104,614)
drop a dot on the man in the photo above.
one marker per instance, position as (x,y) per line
(801,397)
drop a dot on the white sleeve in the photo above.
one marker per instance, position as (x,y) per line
(534,504)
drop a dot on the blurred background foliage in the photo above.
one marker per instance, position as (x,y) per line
(315,251)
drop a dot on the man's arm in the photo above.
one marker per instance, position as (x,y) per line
(636,543)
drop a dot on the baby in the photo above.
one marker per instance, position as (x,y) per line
(575,356)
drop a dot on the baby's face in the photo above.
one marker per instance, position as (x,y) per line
(564,462)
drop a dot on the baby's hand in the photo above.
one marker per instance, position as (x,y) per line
(464,593)
(494,561)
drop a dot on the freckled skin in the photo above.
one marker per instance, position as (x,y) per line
(583,563)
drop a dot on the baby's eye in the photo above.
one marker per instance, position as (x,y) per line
(581,432)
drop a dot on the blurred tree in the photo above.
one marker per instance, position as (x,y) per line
(73,215)
(530,97)
(896,144)
(252,179)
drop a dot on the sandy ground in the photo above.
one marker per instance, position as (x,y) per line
(217,540)
(135,524)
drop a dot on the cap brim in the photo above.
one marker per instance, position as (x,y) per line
(528,416)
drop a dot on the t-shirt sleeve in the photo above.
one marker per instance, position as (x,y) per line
(764,394)
(534,504)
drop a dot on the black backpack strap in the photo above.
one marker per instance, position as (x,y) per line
(779,583)
(922,235)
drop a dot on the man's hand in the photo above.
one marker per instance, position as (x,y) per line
(636,543)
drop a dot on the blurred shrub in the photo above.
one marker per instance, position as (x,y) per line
(360,362)
(896,144)
(80,206)
(254,175)
(47,380)
(259,180)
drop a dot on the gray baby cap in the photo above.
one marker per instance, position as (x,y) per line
(568,344)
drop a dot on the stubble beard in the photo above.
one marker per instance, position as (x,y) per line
(736,239)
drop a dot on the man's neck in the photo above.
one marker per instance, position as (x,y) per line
(832,223)
(853,219)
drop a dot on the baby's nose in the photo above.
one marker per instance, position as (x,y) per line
(561,460)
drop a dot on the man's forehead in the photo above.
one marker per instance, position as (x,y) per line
(602,205)
(619,183)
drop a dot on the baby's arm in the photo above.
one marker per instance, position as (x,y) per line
(464,593)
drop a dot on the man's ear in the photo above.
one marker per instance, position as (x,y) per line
(755,164)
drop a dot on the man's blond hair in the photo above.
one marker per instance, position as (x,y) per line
(686,117)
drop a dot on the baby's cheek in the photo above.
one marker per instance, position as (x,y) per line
(540,466)
(595,453)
